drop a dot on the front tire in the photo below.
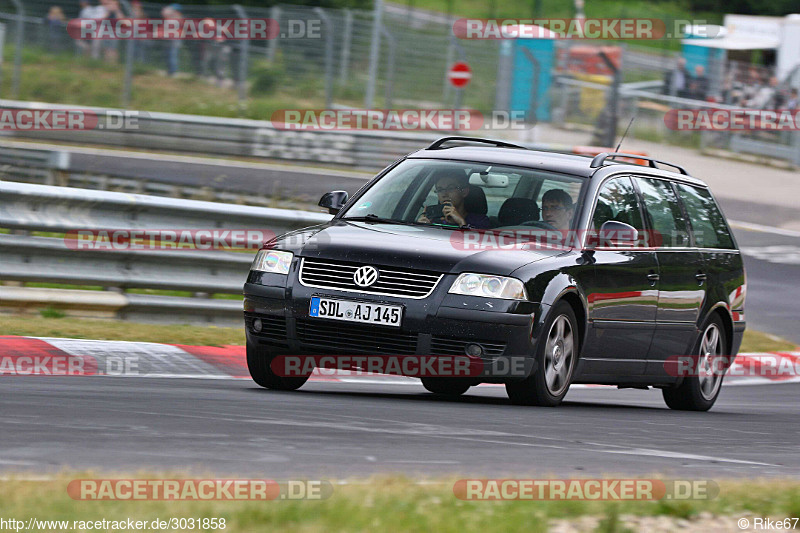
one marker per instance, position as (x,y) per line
(556,356)
(699,391)
(258,363)
(446,386)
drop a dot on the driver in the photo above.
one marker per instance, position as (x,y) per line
(557,208)
(452,190)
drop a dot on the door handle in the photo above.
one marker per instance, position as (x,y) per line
(652,277)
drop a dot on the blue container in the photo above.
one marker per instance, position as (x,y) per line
(530,79)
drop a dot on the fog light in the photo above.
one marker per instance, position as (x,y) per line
(257,325)
(473,350)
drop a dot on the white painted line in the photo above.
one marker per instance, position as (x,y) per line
(749,226)
(173,158)
(678,455)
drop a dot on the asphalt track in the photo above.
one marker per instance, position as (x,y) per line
(342,430)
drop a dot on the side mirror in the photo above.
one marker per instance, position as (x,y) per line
(333,201)
(615,234)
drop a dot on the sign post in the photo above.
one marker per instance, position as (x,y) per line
(459,76)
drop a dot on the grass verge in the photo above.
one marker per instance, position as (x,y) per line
(85,328)
(758,341)
(389,504)
(98,329)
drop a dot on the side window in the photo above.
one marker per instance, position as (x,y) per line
(617,201)
(708,225)
(663,213)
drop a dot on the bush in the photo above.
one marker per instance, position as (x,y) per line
(266,77)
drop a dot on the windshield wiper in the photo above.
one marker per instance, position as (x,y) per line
(371,217)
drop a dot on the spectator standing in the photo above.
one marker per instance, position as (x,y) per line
(172,11)
(56,23)
(110,46)
(767,96)
(98,12)
(793,102)
(677,79)
(221,57)
(698,86)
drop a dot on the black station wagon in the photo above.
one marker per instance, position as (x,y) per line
(590,270)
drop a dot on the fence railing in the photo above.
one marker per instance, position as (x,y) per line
(28,257)
(581,103)
(322,54)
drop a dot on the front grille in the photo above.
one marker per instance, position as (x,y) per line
(350,338)
(405,283)
(273,327)
(446,346)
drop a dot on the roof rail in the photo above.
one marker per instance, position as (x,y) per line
(437,145)
(600,159)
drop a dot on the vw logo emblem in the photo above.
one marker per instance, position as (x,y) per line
(365,276)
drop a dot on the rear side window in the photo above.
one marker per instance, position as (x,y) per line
(663,213)
(708,225)
(617,201)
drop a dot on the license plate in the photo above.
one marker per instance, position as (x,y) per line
(346,310)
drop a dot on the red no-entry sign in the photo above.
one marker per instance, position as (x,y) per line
(459,74)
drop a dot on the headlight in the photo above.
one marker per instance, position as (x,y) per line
(489,286)
(273,261)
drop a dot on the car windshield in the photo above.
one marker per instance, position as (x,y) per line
(464,194)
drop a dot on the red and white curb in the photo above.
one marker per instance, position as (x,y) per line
(41,356)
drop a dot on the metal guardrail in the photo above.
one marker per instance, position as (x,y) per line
(27,208)
(370,150)
(54,167)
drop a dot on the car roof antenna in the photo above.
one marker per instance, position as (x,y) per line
(626,133)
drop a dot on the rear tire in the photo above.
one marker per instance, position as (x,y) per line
(258,363)
(699,391)
(556,356)
(446,386)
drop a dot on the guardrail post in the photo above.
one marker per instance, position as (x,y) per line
(347,38)
(374,52)
(389,86)
(796,135)
(328,56)
(449,55)
(531,118)
(272,45)
(2,47)
(243,51)
(18,47)
(129,46)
